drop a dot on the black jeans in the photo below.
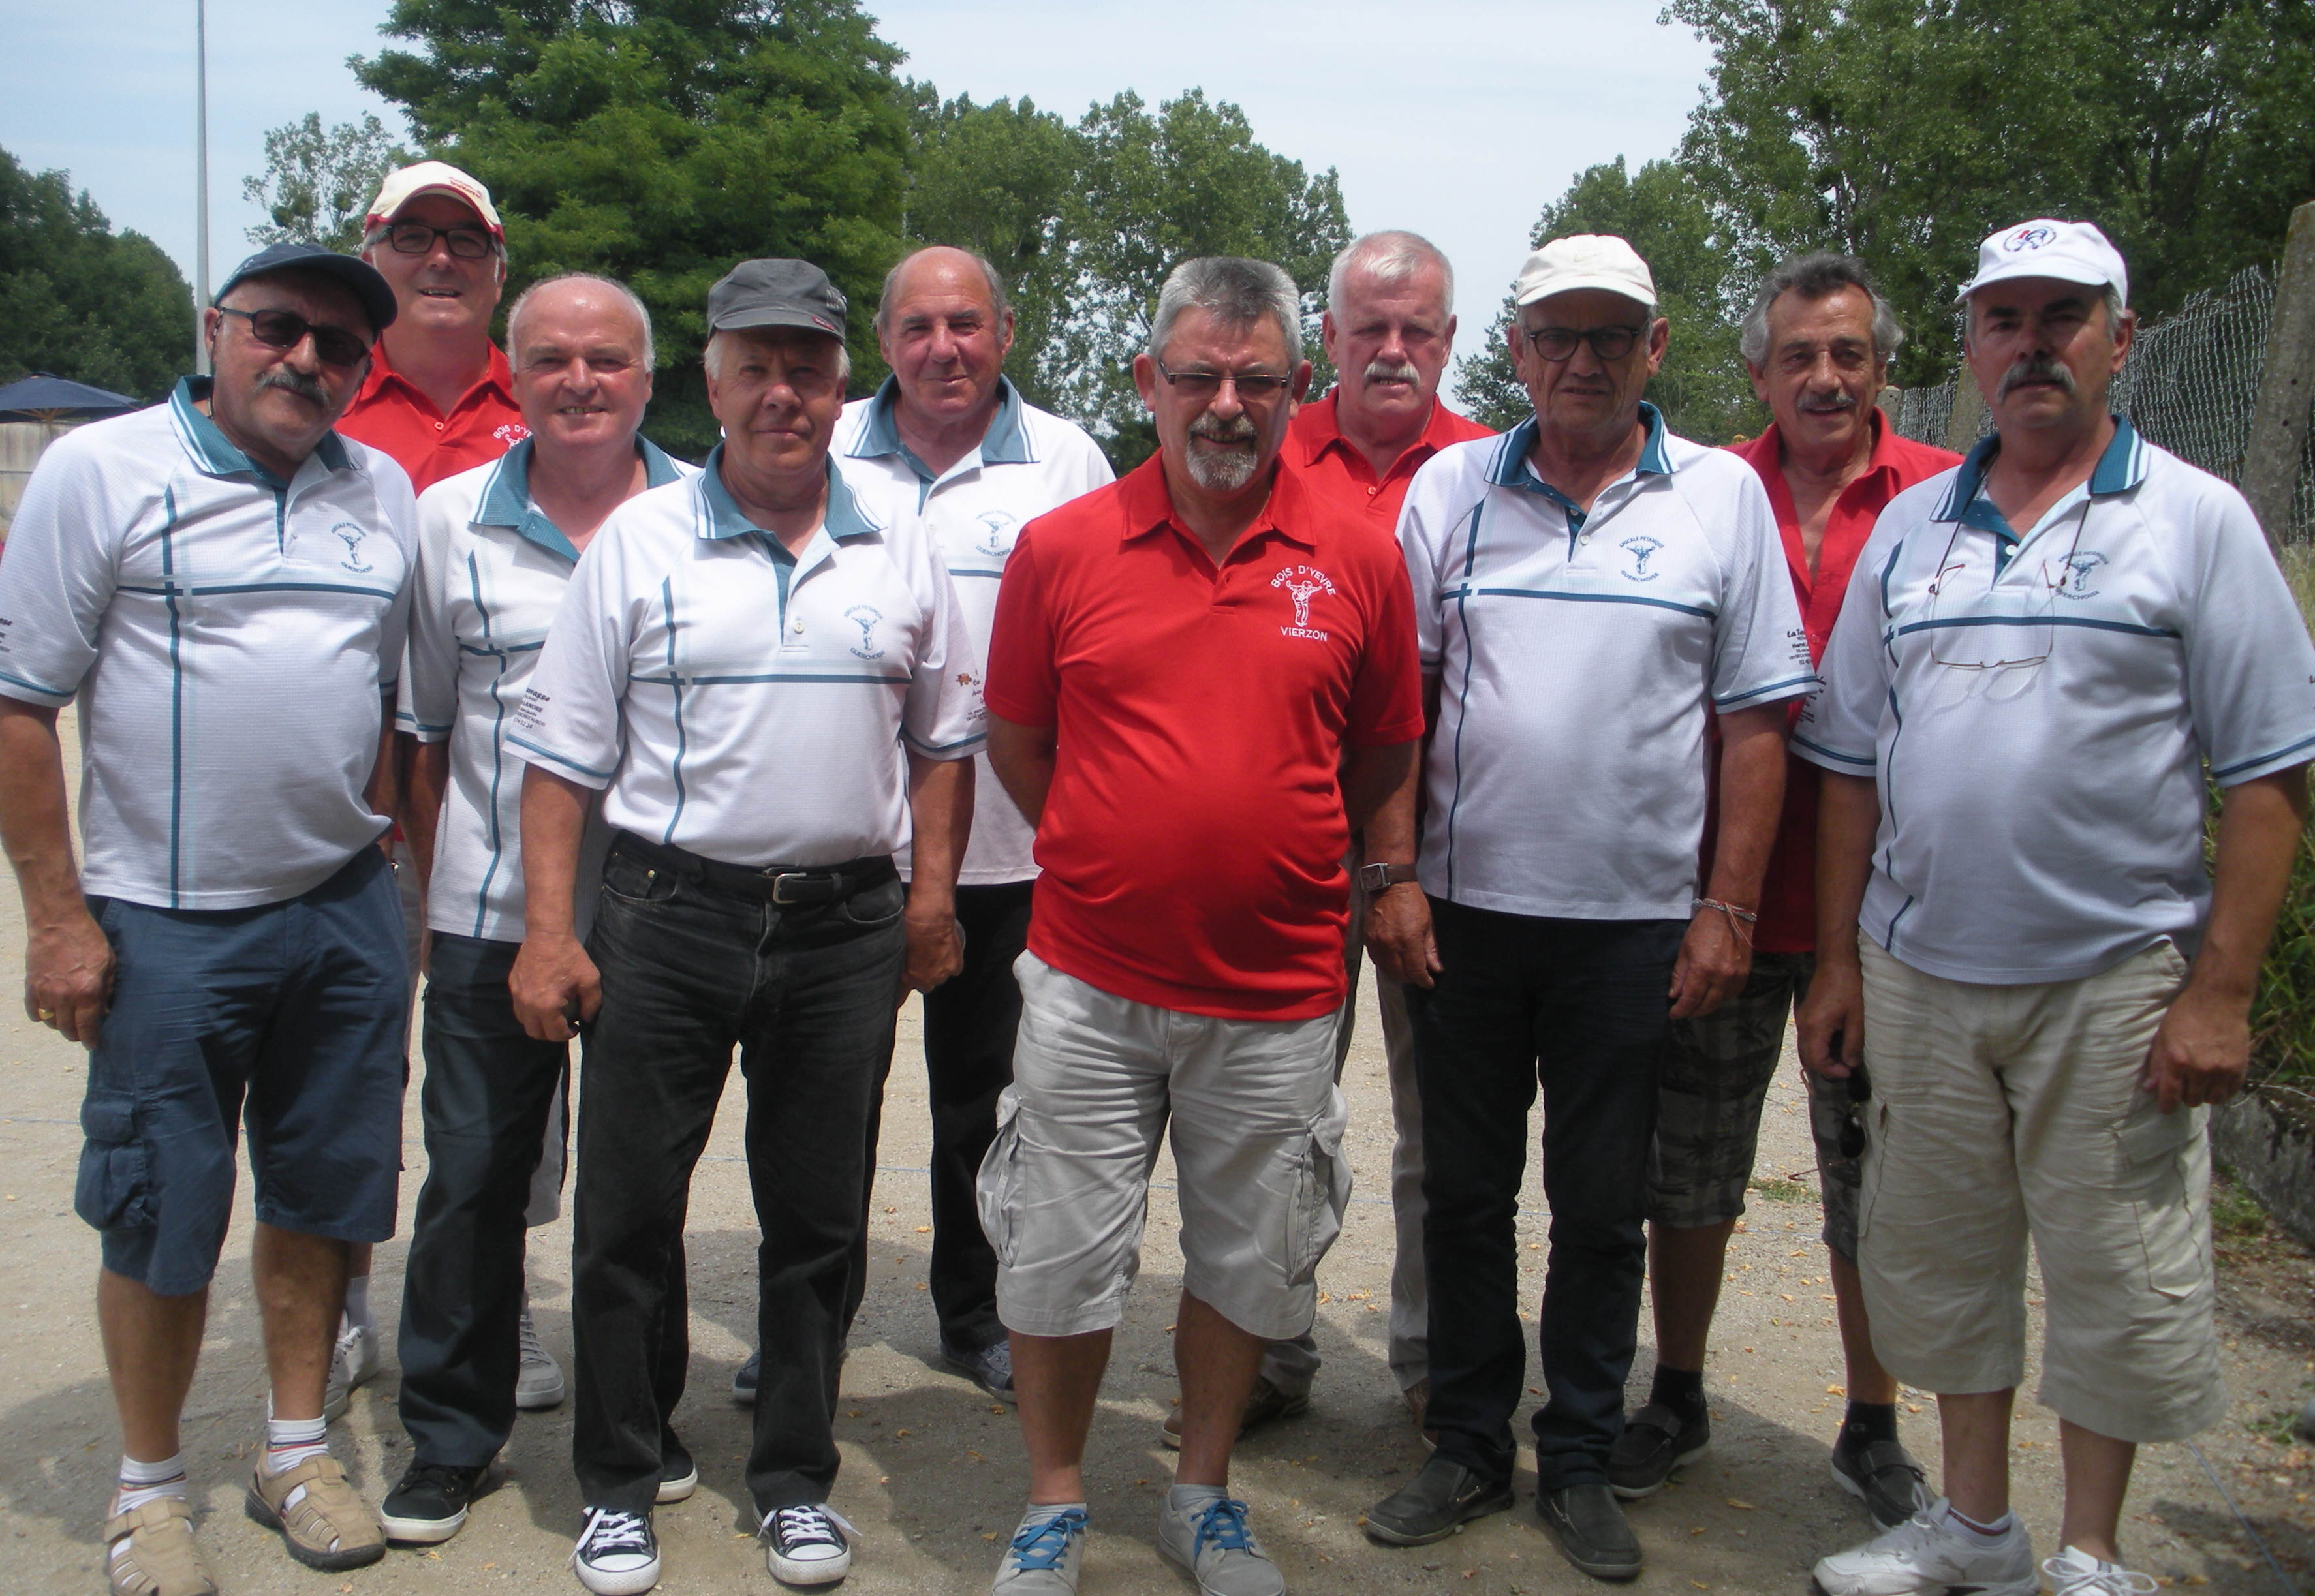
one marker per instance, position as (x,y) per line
(489,1089)
(969,1025)
(1582,1007)
(808,994)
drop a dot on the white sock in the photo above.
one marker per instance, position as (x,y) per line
(1988,1533)
(141,1483)
(291,1441)
(357,1302)
(1181,1498)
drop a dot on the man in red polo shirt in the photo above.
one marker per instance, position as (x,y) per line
(441,397)
(1817,341)
(1200,682)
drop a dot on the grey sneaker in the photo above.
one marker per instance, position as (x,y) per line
(1212,1542)
(1044,1556)
(538,1378)
(354,1362)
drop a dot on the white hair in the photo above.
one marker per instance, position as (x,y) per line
(1390,256)
(718,341)
(1815,277)
(617,289)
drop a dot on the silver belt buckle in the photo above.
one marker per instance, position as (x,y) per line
(780,884)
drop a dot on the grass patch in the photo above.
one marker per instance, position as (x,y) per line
(2283,1020)
(1781,1191)
(2235,1214)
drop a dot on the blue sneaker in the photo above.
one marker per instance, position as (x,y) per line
(1044,1558)
(1210,1541)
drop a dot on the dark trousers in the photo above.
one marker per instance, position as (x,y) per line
(807,996)
(489,1090)
(1581,1007)
(969,1025)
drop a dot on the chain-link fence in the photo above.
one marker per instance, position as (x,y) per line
(2191,386)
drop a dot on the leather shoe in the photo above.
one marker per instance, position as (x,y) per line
(1440,1500)
(1590,1529)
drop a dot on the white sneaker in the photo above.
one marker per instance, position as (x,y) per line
(807,1545)
(617,1554)
(1214,1544)
(538,1378)
(2078,1573)
(355,1363)
(1928,1555)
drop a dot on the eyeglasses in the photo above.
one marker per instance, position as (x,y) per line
(416,238)
(1611,342)
(1963,634)
(283,329)
(1253,387)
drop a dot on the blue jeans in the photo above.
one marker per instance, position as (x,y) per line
(1583,1009)
(809,996)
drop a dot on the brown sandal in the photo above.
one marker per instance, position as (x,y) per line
(159,1557)
(328,1527)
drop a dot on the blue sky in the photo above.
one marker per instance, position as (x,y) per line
(1458,118)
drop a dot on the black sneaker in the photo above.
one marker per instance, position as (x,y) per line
(617,1554)
(678,1475)
(743,1383)
(810,1544)
(990,1368)
(1590,1529)
(1656,1441)
(1436,1504)
(1882,1474)
(429,1505)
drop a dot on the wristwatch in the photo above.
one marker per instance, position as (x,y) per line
(1375,877)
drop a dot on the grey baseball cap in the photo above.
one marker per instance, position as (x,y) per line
(775,293)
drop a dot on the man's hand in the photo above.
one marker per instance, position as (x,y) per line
(1830,1020)
(2201,1053)
(1399,934)
(935,950)
(553,980)
(69,977)
(1713,964)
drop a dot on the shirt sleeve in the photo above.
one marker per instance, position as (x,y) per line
(1760,650)
(397,508)
(569,720)
(1387,692)
(1422,542)
(942,717)
(1841,728)
(1022,685)
(57,578)
(428,705)
(2251,666)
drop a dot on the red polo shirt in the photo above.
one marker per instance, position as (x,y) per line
(1193,840)
(1334,470)
(1789,894)
(390,414)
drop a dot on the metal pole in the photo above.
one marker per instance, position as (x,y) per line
(200,181)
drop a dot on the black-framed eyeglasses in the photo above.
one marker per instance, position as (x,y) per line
(416,238)
(1254,386)
(286,330)
(1611,342)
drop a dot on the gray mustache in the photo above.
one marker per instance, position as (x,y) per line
(1239,430)
(294,382)
(1392,371)
(2035,369)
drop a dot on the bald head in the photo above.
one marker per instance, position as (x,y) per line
(582,351)
(945,326)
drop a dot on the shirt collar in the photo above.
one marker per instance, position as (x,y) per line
(1770,443)
(844,518)
(217,454)
(1003,444)
(1150,505)
(1324,430)
(496,373)
(2121,467)
(505,495)
(1509,468)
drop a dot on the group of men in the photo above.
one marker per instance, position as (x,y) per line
(1609,748)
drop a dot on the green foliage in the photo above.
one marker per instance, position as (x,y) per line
(316,186)
(1663,212)
(2283,1020)
(660,141)
(1903,131)
(80,301)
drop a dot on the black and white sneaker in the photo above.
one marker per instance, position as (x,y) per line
(744,1379)
(617,1554)
(810,1544)
(429,1506)
(678,1475)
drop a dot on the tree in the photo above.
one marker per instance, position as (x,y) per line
(1700,289)
(316,186)
(80,301)
(658,141)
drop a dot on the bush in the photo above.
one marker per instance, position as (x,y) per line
(2283,1021)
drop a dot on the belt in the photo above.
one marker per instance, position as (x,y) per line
(787,886)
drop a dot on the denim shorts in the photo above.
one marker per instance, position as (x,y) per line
(287,1015)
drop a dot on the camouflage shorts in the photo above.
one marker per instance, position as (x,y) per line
(1715,1078)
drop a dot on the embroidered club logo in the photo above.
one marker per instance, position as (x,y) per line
(1303,583)
(2073,577)
(865,618)
(995,533)
(351,535)
(1641,550)
(512,433)
(2029,237)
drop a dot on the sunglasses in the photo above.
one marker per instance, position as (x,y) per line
(1253,387)
(284,330)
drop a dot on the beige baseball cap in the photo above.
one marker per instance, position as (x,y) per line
(432,177)
(1585,260)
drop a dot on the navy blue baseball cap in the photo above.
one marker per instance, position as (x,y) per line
(376,295)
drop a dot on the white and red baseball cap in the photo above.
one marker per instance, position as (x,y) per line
(2068,252)
(433,177)
(1585,260)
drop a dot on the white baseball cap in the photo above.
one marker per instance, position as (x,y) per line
(432,177)
(2070,251)
(1585,260)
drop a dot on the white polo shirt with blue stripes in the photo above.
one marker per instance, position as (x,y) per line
(2040,711)
(228,636)
(1578,654)
(744,702)
(1028,462)
(491,571)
